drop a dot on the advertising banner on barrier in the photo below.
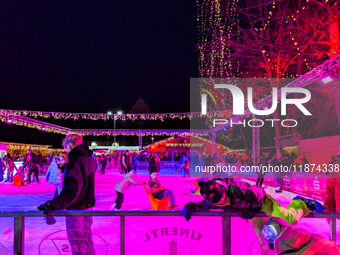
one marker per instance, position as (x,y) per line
(287,179)
(301,183)
(317,187)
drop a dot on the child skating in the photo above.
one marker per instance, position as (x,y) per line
(121,187)
(186,165)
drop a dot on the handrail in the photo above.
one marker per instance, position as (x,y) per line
(147,213)
(19,223)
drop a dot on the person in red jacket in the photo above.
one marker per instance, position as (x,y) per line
(332,196)
(296,241)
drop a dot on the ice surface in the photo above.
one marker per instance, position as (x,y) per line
(144,235)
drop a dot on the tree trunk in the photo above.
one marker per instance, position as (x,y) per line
(277,130)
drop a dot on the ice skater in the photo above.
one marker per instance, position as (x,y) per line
(121,187)
(55,172)
(159,192)
(186,166)
(31,167)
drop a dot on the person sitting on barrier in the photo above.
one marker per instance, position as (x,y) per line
(250,199)
(121,187)
(290,240)
(159,192)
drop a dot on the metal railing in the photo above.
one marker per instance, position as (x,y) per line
(19,223)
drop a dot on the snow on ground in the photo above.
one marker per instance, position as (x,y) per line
(144,235)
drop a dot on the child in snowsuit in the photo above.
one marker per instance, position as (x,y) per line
(55,173)
(297,241)
(159,192)
(121,187)
(250,199)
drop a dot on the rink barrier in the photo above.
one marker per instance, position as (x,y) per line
(19,223)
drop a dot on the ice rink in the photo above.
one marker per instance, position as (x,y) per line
(144,235)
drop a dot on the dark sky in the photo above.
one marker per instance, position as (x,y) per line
(95,56)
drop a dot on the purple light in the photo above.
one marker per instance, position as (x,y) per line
(326,80)
(43,129)
(9,121)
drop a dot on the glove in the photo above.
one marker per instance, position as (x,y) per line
(186,213)
(45,207)
(249,213)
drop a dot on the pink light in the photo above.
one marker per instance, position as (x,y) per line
(43,129)
(9,121)
(326,80)
(67,134)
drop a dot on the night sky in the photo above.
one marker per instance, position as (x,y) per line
(96,56)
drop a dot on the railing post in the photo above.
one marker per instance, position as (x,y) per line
(332,229)
(226,235)
(122,235)
(19,235)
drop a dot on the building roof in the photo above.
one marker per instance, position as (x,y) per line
(140,107)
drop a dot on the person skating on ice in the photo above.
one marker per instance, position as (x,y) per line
(186,166)
(285,239)
(121,187)
(159,192)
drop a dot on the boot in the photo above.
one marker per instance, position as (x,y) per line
(313,205)
(173,206)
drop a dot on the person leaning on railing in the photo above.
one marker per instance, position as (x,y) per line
(77,192)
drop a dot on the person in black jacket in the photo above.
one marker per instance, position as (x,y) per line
(103,164)
(154,163)
(250,199)
(31,167)
(77,193)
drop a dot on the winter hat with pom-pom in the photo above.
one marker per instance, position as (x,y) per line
(212,191)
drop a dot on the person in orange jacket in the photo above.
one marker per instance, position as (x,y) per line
(285,239)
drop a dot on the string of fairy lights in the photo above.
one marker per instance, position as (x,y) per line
(106,116)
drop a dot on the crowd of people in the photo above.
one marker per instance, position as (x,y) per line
(73,175)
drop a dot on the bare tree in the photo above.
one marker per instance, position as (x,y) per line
(265,39)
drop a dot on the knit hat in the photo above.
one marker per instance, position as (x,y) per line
(211,190)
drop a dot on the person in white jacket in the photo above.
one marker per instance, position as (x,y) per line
(121,187)
(55,173)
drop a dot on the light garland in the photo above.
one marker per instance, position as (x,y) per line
(34,148)
(184,145)
(105,116)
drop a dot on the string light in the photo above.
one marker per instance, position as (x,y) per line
(104,116)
